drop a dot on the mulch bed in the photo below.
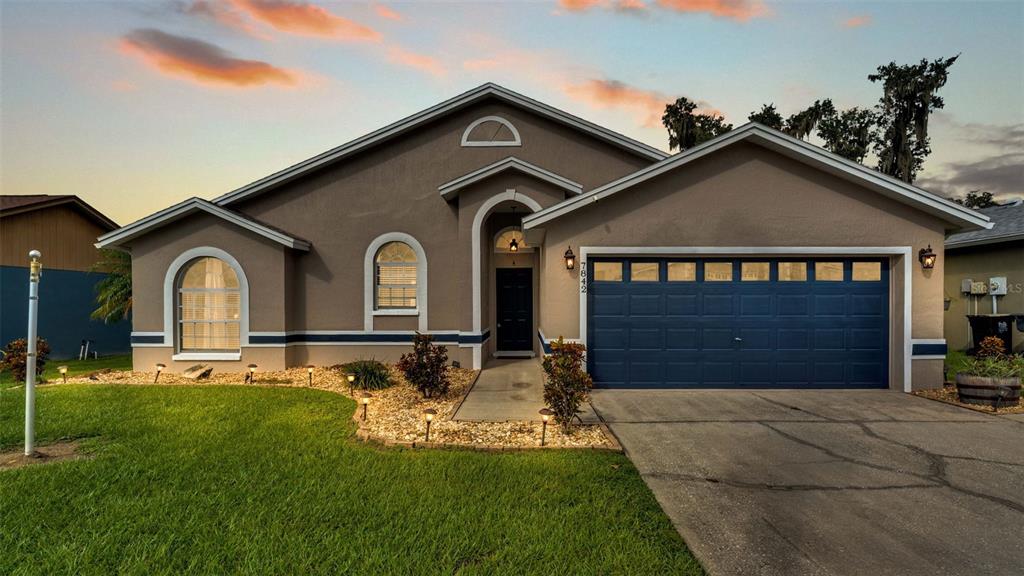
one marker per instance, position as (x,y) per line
(948,395)
(395,414)
(56,452)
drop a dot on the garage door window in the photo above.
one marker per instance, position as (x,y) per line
(867,271)
(682,271)
(828,271)
(643,272)
(792,271)
(718,271)
(754,271)
(608,271)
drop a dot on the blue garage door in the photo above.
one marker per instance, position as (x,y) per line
(738,323)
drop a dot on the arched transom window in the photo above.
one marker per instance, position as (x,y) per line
(209,307)
(395,281)
(503,240)
(491,131)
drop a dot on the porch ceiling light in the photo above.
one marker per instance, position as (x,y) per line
(513,246)
(570,259)
(927,257)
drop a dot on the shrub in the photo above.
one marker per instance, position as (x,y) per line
(566,383)
(425,367)
(1001,366)
(15,358)
(370,374)
(991,347)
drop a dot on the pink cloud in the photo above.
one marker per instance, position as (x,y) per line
(420,62)
(580,5)
(222,14)
(201,62)
(631,5)
(304,19)
(741,10)
(857,21)
(648,105)
(386,12)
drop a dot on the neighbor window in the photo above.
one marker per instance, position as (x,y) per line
(754,271)
(608,271)
(718,271)
(792,271)
(682,271)
(209,307)
(828,271)
(395,277)
(643,271)
(867,271)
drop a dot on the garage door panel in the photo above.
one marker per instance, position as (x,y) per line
(688,332)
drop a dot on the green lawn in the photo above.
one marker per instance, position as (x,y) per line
(217,480)
(75,368)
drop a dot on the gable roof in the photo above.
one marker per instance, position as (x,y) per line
(12,204)
(190,206)
(451,189)
(1008,225)
(477,94)
(793,148)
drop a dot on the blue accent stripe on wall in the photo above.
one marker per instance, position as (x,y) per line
(367,338)
(543,344)
(147,339)
(929,350)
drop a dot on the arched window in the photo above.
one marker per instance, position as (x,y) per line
(395,277)
(209,307)
(503,240)
(491,131)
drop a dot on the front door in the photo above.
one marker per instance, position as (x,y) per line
(515,309)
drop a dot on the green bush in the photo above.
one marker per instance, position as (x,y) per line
(566,383)
(370,374)
(15,358)
(426,366)
(994,366)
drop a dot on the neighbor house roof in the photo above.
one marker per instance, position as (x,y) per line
(1008,225)
(793,148)
(12,204)
(480,93)
(451,189)
(190,206)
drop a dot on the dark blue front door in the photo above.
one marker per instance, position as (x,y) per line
(733,323)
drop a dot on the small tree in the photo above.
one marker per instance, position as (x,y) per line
(15,358)
(566,383)
(767,116)
(426,366)
(686,128)
(977,199)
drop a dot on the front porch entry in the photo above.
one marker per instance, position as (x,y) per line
(514,311)
(509,390)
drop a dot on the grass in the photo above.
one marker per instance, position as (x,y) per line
(215,480)
(75,368)
(955,362)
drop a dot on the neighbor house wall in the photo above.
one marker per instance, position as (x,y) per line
(747,196)
(980,263)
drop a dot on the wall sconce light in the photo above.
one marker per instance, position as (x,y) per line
(545,415)
(428,415)
(63,372)
(252,373)
(365,399)
(927,257)
(310,370)
(159,369)
(570,259)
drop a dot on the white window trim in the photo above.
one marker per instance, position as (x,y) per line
(904,251)
(467,143)
(170,296)
(494,242)
(368,281)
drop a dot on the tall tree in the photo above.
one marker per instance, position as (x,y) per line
(977,199)
(849,133)
(113,292)
(908,99)
(686,129)
(801,124)
(767,116)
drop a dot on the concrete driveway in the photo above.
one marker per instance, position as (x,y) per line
(829,482)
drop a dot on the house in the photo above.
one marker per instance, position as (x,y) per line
(63,228)
(981,255)
(498,223)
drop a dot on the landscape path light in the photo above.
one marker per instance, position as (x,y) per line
(252,373)
(365,399)
(545,415)
(63,372)
(310,370)
(351,378)
(428,415)
(159,369)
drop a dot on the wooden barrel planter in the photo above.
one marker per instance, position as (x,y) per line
(986,391)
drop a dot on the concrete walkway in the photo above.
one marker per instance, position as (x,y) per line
(829,482)
(508,390)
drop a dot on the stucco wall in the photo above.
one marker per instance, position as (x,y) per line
(981,263)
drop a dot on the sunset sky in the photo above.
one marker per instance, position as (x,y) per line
(137,105)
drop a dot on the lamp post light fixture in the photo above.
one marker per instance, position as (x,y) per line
(364,398)
(159,369)
(428,415)
(252,373)
(309,369)
(927,257)
(63,373)
(351,378)
(545,415)
(570,259)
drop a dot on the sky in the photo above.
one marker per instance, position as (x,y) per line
(137,105)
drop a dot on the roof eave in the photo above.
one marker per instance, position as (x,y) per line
(450,190)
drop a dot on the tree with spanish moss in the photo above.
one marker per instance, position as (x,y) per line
(803,123)
(687,129)
(849,133)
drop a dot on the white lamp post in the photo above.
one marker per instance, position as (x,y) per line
(35,271)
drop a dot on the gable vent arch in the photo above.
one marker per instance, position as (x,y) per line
(491,131)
